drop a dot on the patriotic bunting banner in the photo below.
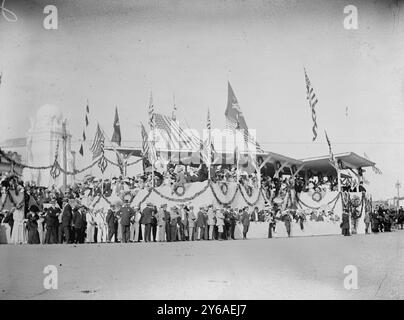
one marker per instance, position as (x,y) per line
(311,97)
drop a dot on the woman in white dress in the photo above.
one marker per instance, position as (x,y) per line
(90,226)
(18,235)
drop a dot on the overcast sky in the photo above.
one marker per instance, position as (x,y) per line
(115,52)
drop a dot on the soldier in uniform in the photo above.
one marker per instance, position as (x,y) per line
(126,213)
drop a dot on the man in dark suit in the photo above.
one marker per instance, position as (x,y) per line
(126,213)
(51,220)
(167,221)
(79,224)
(146,220)
(111,221)
(67,217)
(345,224)
(245,220)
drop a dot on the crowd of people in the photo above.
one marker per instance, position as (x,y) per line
(31,214)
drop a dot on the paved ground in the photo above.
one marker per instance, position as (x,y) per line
(295,268)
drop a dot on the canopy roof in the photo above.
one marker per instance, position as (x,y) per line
(349,160)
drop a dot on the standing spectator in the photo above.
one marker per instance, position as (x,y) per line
(167,223)
(211,221)
(220,223)
(146,221)
(126,212)
(183,223)
(50,223)
(245,220)
(233,222)
(90,232)
(18,235)
(173,223)
(367,221)
(287,219)
(32,225)
(138,216)
(79,223)
(345,223)
(154,223)
(66,218)
(111,220)
(191,223)
(199,224)
(271,223)
(161,222)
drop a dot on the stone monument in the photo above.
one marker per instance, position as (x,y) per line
(44,141)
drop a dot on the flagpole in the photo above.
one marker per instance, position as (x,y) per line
(105,134)
(209,146)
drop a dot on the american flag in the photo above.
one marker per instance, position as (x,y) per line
(235,120)
(311,96)
(151,112)
(174,115)
(97,147)
(374,168)
(332,158)
(208,144)
(177,138)
(86,119)
(145,142)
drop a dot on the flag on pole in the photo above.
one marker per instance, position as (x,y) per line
(375,169)
(145,142)
(151,112)
(86,119)
(333,161)
(208,145)
(97,147)
(235,119)
(311,96)
(116,136)
(174,114)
